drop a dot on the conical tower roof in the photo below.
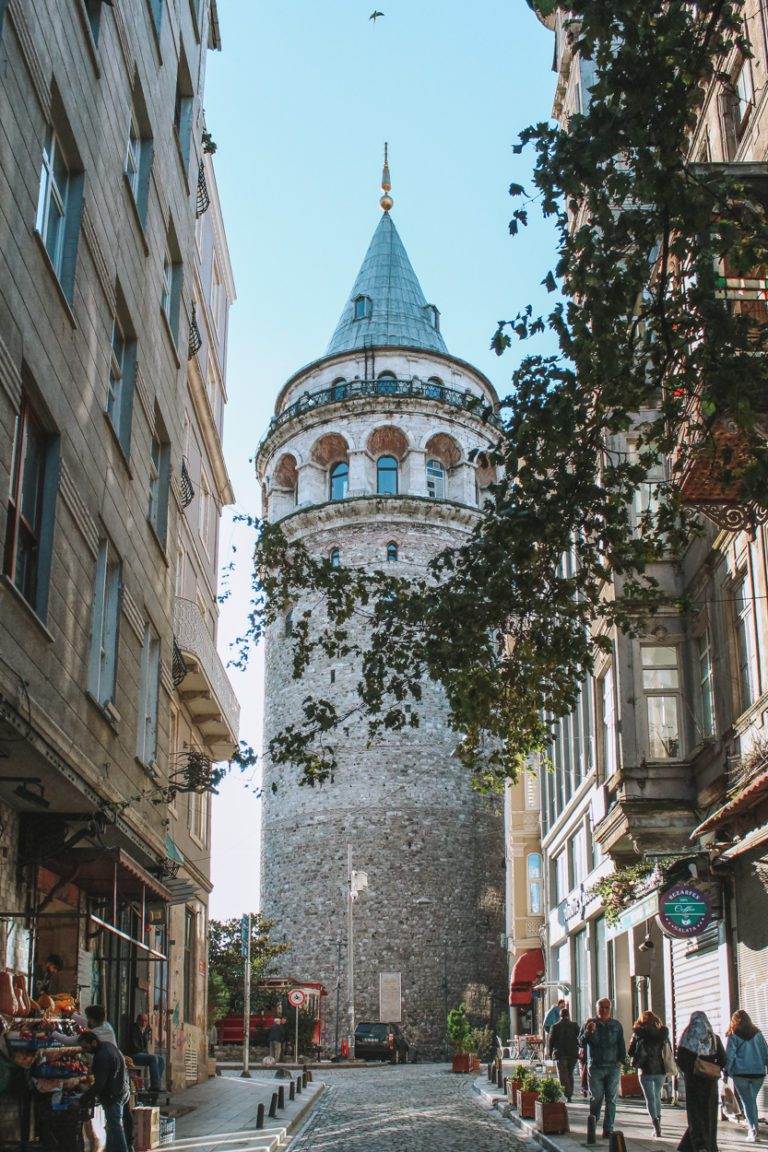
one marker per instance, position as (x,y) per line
(386,306)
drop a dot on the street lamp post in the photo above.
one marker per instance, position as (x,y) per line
(338,994)
(356,883)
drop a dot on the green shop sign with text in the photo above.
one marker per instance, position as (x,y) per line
(684,911)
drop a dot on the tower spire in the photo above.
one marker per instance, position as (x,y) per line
(386,182)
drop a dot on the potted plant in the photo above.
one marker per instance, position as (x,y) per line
(528,1095)
(629,1081)
(550,1112)
(514,1083)
(460,1033)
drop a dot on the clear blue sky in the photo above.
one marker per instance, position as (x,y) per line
(300,102)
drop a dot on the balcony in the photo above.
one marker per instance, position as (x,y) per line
(205,688)
(388,387)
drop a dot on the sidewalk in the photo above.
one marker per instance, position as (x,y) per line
(223,1114)
(631,1119)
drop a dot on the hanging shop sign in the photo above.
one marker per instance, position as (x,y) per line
(684,911)
(636,914)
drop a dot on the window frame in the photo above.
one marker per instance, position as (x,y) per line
(105,626)
(672,692)
(705,679)
(338,472)
(364,312)
(534,882)
(190,940)
(334,558)
(393,552)
(608,743)
(121,381)
(745,642)
(383,469)
(49,190)
(437,477)
(149,697)
(159,481)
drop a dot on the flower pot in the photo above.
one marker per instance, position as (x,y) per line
(527,1101)
(513,1091)
(629,1085)
(461,1062)
(551,1118)
(474,1062)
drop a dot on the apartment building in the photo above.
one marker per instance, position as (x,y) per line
(115,286)
(666,758)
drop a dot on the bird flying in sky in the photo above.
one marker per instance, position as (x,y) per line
(375,15)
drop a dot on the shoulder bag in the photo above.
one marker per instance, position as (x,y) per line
(668,1059)
(707,1069)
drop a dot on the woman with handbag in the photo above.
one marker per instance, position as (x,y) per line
(646,1051)
(701,1059)
(746,1062)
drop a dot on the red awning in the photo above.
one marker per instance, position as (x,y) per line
(528,970)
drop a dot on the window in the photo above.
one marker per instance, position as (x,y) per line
(386,476)
(218,302)
(661,685)
(602,956)
(146,736)
(335,558)
(435,480)
(361,307)
(433,316)
(102,673)
(339,480)
(706,686)
(159,480)
(156,12)
(31,509)
(122,365)
(535,885)
(288,623)
(170,297)
(198,816)
(138,158)
(737,99)
(745,642)
(182,110)
(339,389)
(392,552)
(561,877)
(577,847)
(190,928)
(647,496)
(181,567)
(608,723)
(57,221)
(386,385)
(434,388)
(93,9)
(204,502)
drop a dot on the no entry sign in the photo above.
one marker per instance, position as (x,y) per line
(296,997)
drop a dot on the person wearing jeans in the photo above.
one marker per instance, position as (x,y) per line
(746,1062)
(603,1039)
(646,1051)
(110,1088)
(141,1039)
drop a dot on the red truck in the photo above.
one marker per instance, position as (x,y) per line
(230,1029)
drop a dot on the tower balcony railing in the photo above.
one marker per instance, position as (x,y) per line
(389,387)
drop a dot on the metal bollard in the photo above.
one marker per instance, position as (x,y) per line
(298,1085)
(281,1097)
(505,1085)
(273,1105)
(291,1091)
(491,1067)
(500,1077)
(616,1142)
(591,1129)
(309,1075)
(260,1116)
(303,1079)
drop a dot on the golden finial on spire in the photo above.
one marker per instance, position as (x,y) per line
(386,183)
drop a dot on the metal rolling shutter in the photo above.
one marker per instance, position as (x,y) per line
(752,946)
(696,979)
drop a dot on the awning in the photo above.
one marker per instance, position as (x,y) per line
(740,803)
(99,870)
(528,970)
(752,840)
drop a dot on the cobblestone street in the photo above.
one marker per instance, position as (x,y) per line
(410,1108)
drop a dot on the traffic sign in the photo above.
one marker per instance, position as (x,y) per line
(245,932)
(296,998)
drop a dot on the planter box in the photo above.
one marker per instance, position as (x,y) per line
(461,1062)
(551,1118)
(527,1102)
(629,1085)
(513,1092)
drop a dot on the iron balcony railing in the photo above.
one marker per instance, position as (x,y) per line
(388,386)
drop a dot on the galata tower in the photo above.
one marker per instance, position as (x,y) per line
(375,457)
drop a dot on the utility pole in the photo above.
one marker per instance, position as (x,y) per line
(338,993)
(245,947)
(350,961)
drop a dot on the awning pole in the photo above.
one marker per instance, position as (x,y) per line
(114,893)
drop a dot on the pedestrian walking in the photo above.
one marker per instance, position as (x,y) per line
(553,1016)
(603,1039)
(111,1089)
(650,1053)
(746,1062)
(701,1059)
(276,1038)
(564,1048)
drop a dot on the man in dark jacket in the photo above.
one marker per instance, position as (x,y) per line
(276,1039)
(141,1042)
(564,1048)
(603,1038)
(110,1088)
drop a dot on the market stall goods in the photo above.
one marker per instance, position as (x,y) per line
(8,1003)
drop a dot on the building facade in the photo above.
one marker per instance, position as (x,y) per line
(369,462)
(114,291)
(666,759)
(525,902)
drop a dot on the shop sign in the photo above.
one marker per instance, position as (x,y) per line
(684,911)
(634,915)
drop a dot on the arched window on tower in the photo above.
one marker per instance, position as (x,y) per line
(339,389)
(361,307)
(339,480)
(435,480)
(386,476)
(386,385)
(335,558)
(535,884)
(434,388)
(392,552)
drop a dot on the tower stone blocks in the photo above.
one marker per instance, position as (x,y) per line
(433,848)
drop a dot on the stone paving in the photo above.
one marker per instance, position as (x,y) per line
(408,1108)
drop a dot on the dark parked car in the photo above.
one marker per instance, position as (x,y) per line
(380,1042)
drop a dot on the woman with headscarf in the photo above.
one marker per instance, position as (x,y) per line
(701,1059)
(746,1061)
